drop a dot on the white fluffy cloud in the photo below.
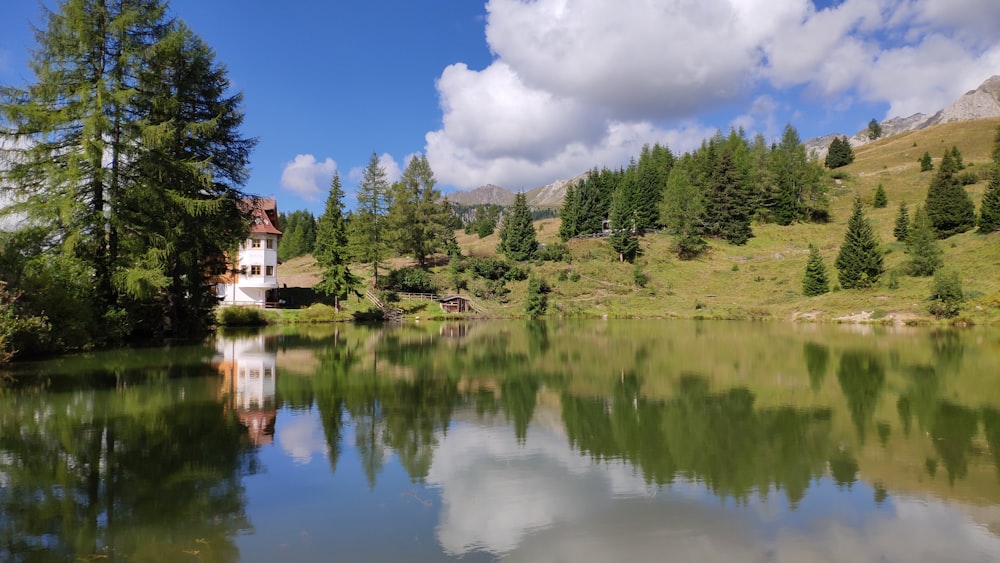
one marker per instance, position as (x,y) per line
(307,177)
(578,83)
(543,501)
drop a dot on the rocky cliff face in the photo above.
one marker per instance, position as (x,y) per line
(980,103)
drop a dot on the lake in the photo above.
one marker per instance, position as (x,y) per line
(511,441)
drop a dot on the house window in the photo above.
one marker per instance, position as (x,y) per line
(270,244)
(270,270)
(255,243)
(254,270)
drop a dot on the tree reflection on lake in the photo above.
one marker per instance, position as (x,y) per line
(588,441)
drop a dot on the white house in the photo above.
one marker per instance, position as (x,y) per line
(252,274)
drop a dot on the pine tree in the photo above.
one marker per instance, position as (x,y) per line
(367,232)
(652,170)
(682,211)
(518,240)
(728,201)
(902,227)
(568,213)
(956,155)
(418,222)
(623,218)
(799,192)
(989,209)
(177,211)
(881,199)
(815,280)
(537,301)
(874,129)
(78,128)
(948,204)
(130,156)
(926,163)
(859,262)
(840,153)
(922,246)
(331,247)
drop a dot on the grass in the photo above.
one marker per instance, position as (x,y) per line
(762,279)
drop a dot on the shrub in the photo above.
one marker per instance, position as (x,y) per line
(537,302)
(555,252)
(488,268)
(408,280)
(946,295)
(968,177)
(516,273)
(241,316)
(639,277)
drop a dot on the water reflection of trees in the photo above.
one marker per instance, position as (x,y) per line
(128,473)
(718,438)
(400,390)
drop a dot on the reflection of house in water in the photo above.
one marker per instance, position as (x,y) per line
(248,371)
(454,330)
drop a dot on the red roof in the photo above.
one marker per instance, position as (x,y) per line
(264,217)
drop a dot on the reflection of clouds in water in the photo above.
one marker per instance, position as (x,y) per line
(301,436)
(544,502)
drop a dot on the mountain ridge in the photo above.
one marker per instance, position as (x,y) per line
(982,102)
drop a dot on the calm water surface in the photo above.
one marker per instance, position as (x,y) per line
(581,441)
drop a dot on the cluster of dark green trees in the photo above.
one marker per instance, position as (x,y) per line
(717,191)
(839,154)
(404,218)
(298,234)
(122,167)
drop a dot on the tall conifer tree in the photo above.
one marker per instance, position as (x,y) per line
(367,229)
(902,227)
(922,246)
(948,204)
(128,152)
(331,247)
(75,127)
(419,222)
(517,233)
(859,262)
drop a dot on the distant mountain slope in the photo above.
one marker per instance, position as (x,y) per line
(981,103)
(483,195)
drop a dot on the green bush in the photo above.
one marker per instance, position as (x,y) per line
(554,252)
(15,327)
(537,302)
(241,316)
(488,268)
(408,280)
(946,295)
(968,177)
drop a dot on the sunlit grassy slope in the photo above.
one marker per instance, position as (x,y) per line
(762,280)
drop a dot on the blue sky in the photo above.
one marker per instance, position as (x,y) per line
(521,93)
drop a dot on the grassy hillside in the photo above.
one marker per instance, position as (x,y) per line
(762,280)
